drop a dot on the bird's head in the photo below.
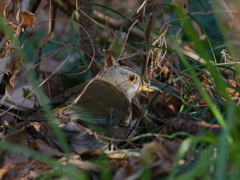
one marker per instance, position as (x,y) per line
(126,80)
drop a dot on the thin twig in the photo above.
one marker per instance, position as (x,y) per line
(124,44)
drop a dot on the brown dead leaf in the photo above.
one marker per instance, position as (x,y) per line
(109,61)
(43,148)
(7,119)
(18,20)
(84,165)
(165,105)
(164,29)
(10,64)
(118,158)
(87,154)
(131,167)
(5,169)
(6,64)
(43,132)
(8,91)
(153,151)
(158,156)
(184,123)
(27,19)
(22,170)
(233,83)
(196,97)
(206,79)
(233,93)
(17,166)
(17,138)
(16,67)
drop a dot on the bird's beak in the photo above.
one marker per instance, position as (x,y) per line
(146,87)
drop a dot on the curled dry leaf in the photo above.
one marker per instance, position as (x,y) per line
(9,91)
(109,61)
(11,11)
(10,64)
(16,63)
(27,19)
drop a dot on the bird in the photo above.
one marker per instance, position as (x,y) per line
(102,105)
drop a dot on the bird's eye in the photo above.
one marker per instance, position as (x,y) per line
(132,78)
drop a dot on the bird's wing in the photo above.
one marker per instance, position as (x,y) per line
(96,104)
(59,101)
